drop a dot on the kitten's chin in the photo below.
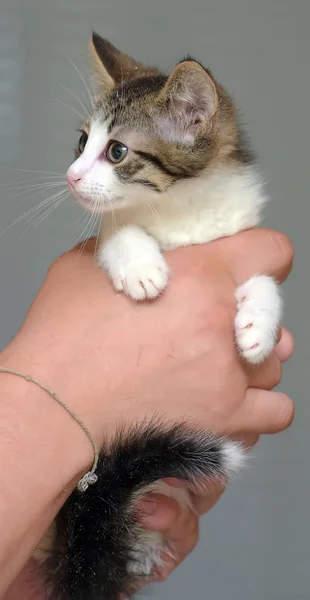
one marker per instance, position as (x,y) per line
(98,205)
(92,206)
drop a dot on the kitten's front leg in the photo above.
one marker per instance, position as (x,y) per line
(258,317)
(134,262)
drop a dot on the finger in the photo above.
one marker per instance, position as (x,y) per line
(265,376)
(181,529)
(206,495)
(158,512)
(285,347)
(165,514)
(178,525)
(182,538)
(268,375)
(258,251)
(263,412)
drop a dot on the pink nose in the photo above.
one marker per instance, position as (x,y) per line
(73,177)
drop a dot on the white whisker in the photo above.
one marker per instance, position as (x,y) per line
(85,216)
(45,201)
(34,224)
(98,236)
(90,81)
(39,207)
(114,224)
(30,212)
(26,182)
(153,209)
(77,221)
(37,188)
(81,236)
(56,202)
(77,112)
(93,222)
(77,99)
(35,171)
(90,225)
(82,78)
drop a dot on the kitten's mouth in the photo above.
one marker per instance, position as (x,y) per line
(96,205)
(91,205)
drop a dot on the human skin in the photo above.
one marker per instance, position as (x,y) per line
(116,361)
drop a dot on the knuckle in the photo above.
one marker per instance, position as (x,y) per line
(51,268)
(57,264)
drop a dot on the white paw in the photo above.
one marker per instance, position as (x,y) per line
(135,264)
(258,318)
(141,279)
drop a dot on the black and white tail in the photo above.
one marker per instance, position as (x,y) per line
(99,548)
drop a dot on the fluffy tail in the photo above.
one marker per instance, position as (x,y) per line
(94,552)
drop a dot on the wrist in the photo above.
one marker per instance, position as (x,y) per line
(43,454)
(65,369)
(34,422)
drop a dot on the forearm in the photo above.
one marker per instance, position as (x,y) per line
(43,453)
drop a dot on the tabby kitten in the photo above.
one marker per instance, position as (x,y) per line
(164,160)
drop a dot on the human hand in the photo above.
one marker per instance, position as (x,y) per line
(113,360)
(77,319)
(181,527)
(164,514)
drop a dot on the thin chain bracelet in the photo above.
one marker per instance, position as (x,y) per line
(90,477)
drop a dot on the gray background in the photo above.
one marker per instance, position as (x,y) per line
(256,544)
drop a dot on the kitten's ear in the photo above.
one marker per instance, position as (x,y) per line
(187,103)
(110,66)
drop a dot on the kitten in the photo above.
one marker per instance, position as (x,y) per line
(165,162)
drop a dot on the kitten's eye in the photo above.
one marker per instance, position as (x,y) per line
(116,152)
(82,142)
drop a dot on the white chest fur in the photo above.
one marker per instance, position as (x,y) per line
(197,211)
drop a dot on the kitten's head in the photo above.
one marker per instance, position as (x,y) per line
(148,131)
